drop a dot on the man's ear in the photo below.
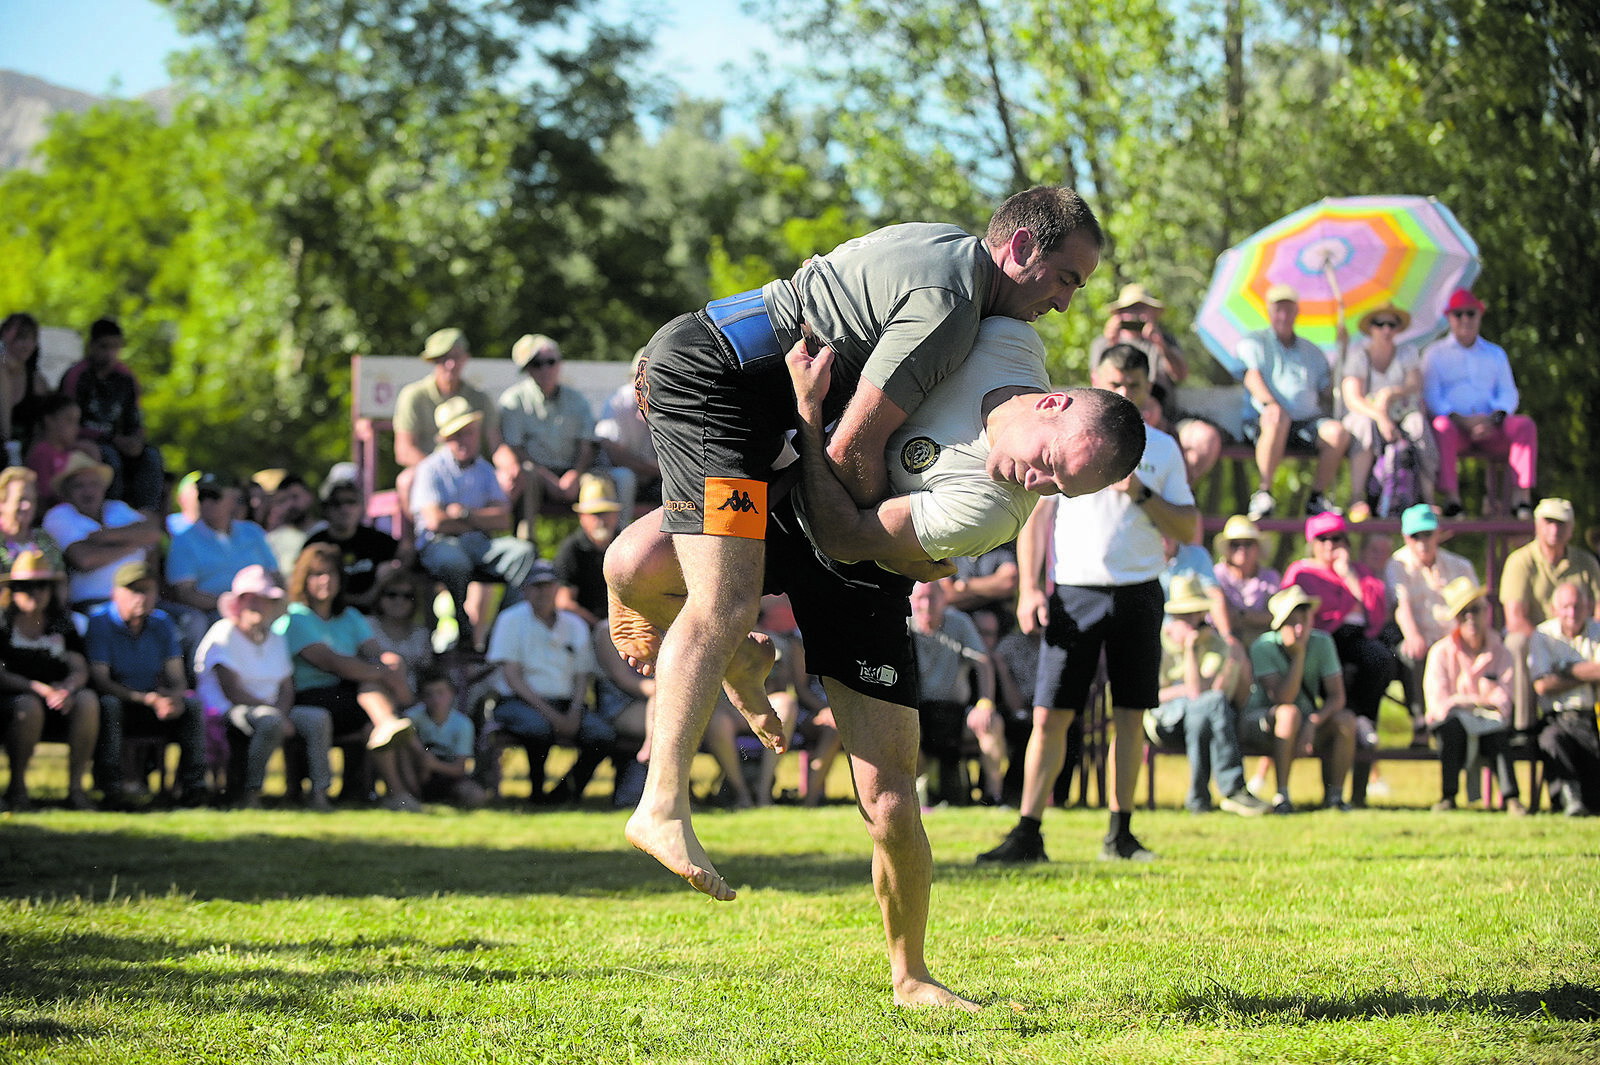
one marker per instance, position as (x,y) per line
(1021,247)
(1053,401)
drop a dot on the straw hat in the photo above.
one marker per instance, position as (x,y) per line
(528,347)
(440,344)
(30,565)
(1238,527)
(1365,325)
(1136,295)
(1281,293)
(1286,602)
(1462,593)
(1187,596)
(252,580)
(596,495)
(454,415)
(77,463)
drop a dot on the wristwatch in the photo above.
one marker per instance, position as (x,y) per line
(1144,497)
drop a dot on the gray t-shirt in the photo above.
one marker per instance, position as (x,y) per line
(945,659)
(899,306)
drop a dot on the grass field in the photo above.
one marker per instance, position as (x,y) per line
(1389,935)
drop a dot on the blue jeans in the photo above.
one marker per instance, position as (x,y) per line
(1211,738)
(457,561)
(187,730)
(528,725)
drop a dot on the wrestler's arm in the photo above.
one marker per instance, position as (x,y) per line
(842,530)
(856,450)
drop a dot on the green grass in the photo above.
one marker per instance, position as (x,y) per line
(1380,936)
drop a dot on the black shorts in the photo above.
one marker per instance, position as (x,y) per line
(852,616)
(717,429)
(1125,622)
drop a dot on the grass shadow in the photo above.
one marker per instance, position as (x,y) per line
(1561,1002)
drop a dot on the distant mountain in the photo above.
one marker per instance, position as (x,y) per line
(27,104)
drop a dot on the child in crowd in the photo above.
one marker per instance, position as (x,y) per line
(437,766)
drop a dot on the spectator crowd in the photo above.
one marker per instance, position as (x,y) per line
(243,619)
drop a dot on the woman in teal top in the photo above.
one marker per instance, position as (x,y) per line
(339,666)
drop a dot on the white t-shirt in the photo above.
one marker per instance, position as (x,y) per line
(551,657)
(1107,539)
(69,525)
(261,667)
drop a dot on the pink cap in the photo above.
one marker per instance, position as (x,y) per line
(1462,299)
(1323,524)
(252,580)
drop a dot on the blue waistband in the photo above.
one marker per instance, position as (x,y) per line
(743,319)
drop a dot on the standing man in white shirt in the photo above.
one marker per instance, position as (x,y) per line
(1105,568)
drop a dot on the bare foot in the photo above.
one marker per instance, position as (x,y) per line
(746,685)
(917,994)
(632,634)
(672,842)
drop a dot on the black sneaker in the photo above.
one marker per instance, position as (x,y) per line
(1125,849)
(1020,845)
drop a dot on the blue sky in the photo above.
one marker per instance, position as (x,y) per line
(117,47)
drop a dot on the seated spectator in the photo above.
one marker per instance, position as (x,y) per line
(1353,607)
(1381,389)
(97,536)
(458,505)
(44,678)
(56,441)
(987,585)
(620,430)
(108,395)
(953,667)
(1417,575)
(338,666)
(543,681)
(291,518)
(1528,583)
(580,560)
(19,507)
(136,664)
(1205,682)
(1467,687)
(1135,319)
(397,625)
(1290,392)
(550,428)
(246,676)
(437,761)
(1564,660)
(622,699)
(415,417)
(801,705)
(1297,705)
(1191,560)
(21,383)
(366,554)
(1467,385)
(204,558)
(1246,584)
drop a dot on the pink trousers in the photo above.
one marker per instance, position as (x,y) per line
(1516,441)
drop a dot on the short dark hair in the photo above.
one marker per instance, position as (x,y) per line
(1050,212)
(1118,427)
(104,327)
(1125,357)
(435,674)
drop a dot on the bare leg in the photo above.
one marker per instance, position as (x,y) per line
(721,742)
(27,723)
(787,707)
(83,730)
(991,753)
(1286,727)
(882,740)
(1047,751)
(645,590)
(1270,444)
(718,611)
(1127,755)
(1333,440)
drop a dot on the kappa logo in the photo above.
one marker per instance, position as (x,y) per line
(739,503)
(918,455)
(885,676)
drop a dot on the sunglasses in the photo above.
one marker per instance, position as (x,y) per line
(1386,323)
(1426,534)
(539,364)
(1334,538)
(1235,545)
(407,596)
(1463,314)
(1474,610)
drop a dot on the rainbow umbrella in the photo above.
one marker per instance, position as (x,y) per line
(1345,256)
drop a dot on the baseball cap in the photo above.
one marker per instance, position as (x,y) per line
(438,344)
(1462,299)
(1281,293)
(1418,519)
(1324,524)
(1554,509)
(130,573)
(542,572)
